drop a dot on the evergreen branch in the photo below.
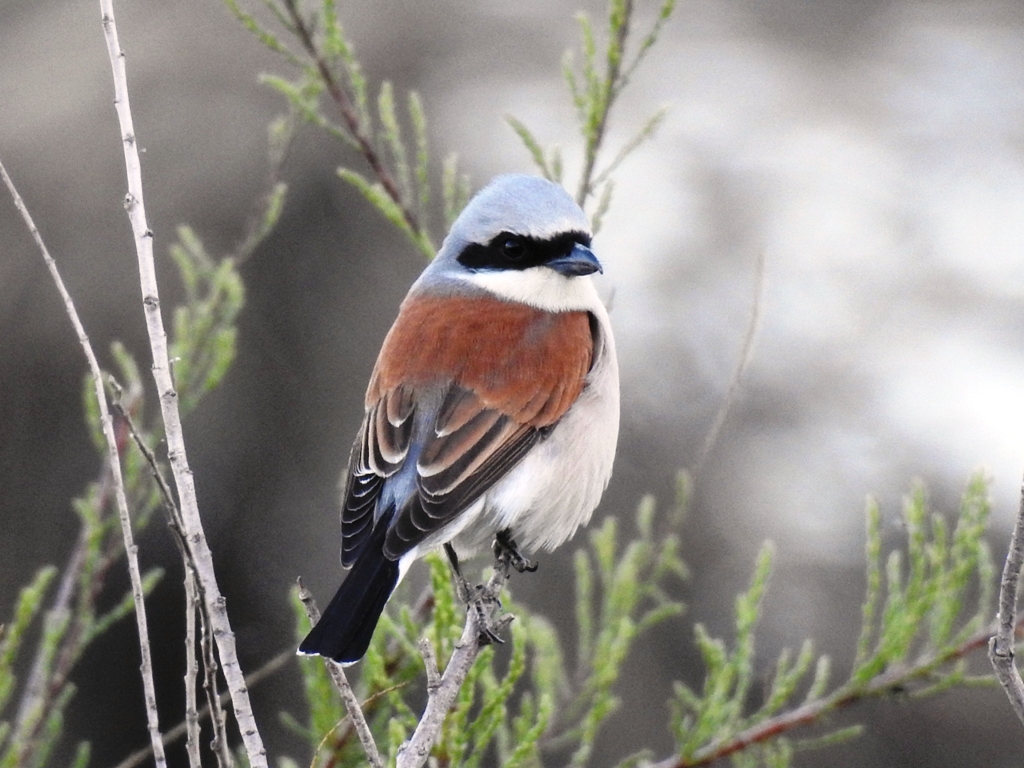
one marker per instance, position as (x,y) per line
(454,189)
(603,94)
(664,14)
(352,114)
(29,601)
(532,145)
(712,725)
(594,92)
(646,131)
(269,40)
(814,711)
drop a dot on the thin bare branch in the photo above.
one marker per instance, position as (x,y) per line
(348,696)
(1000,650)
(191,671)
(114,459)
(742,362)
(139,757)
(193,526)
(430,663)
(219,743)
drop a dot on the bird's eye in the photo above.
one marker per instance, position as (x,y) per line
(513,249)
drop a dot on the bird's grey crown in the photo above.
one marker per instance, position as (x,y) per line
(515,203)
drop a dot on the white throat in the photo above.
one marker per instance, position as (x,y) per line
(539,287)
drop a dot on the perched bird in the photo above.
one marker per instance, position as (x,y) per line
(493,410)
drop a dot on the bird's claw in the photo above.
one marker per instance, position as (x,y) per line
(483,601)
(507,553)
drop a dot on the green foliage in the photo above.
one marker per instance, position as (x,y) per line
(30,602)
(629,597)
(593,87)
(522,701)
(202,348)
(517,701)
(915,636)
(397,177)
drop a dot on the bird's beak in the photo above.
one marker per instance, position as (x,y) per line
(579,261)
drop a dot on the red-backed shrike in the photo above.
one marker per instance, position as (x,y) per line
(492,411)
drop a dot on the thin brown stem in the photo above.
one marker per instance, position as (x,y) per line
(742,362)
(813,712)
(350,115)
(612,90)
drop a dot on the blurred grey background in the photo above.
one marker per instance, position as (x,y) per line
(872,151)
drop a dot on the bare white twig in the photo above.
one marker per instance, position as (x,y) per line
(348,696)
(1000,649)
(415,752)
(746,352)
(219,744)
(141,756)
(191,671)
(193,526)
(115,470)
(430,662)
(218,718)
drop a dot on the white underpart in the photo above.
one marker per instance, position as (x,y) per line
(555,488)
(540,287)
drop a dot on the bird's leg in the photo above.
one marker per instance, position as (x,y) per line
(508,555)
(481,600)
(461,585)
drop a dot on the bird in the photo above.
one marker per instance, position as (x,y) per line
(492,413)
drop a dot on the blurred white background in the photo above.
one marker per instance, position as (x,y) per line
(871,151)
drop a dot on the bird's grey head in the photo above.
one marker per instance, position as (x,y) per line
(520,229)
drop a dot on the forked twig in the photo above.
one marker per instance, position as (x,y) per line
(114,458)
(193,527)
(140,756)
(192,602)
(415,752)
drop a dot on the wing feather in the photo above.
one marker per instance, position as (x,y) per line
(464,403)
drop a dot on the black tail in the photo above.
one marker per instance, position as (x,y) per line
(346,625)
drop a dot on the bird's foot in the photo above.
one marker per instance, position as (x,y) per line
(483,600)
(507,553)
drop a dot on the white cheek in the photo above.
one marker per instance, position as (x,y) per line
(539,287)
